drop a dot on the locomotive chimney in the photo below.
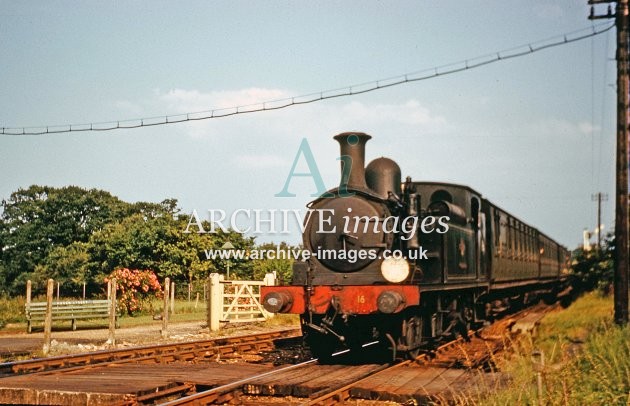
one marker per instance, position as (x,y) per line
(352,159)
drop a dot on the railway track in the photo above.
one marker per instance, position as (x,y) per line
(318,384)
(161,353)
(185,374)
(427,373)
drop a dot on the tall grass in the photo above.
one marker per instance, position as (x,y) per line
(12,310)
(587,360)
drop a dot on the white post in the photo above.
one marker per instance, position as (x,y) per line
(48,319)
(269,280)
(172,297)
(111,289)
(28,292)
(167,288)
(215,302)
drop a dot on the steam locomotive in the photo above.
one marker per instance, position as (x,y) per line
(410,264)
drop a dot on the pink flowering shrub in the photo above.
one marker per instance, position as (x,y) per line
(134,287)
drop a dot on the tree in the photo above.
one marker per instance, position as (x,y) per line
(159,243)
(68,265)
(240,268)
(36,220)
(281,264)
(78,236)
(133,243)
(594,269)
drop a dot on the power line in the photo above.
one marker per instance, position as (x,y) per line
(352,90)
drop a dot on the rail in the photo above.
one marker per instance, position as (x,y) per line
(158,353)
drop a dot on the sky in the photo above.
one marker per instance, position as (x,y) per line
(534,134)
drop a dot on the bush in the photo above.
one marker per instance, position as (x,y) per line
(134,288)
(594,269)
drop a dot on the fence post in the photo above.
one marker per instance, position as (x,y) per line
(48,319)
(58,291)
(172,297)
(111,288)
(197,300)
(83,290)
(167,288)
(28,293)
(538,365)
(215,301)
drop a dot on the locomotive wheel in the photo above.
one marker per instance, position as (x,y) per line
(412,335)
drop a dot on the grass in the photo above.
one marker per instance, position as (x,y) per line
(587,360)
(11,310)
(12,318)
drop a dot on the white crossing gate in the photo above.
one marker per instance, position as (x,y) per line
(236,301)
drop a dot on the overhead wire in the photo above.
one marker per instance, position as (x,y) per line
(356,89)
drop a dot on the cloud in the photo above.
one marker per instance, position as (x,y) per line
(188,101)
(411,112)
(352,113)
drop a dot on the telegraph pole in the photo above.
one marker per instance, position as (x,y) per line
(599,197)
(621,192)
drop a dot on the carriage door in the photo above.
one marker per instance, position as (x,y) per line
(479,228)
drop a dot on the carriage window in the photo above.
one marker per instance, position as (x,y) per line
(497,230)
(521,246)
(525,243)
(530,245)
(441,195)
(521,241)
(510,238)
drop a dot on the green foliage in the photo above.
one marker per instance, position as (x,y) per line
(11,310)
(282,264)
(130,243)
(77,236)
(594,269)
(67,265)
(37,220)
(587,360)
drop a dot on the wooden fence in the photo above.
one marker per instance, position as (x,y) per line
(236,301)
